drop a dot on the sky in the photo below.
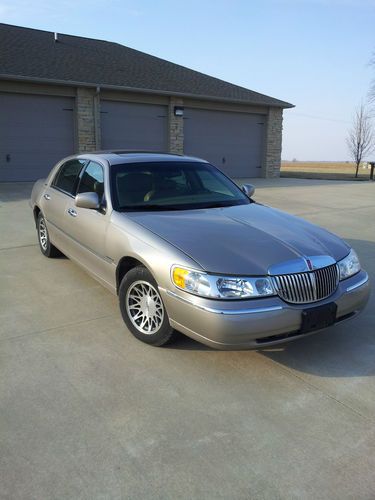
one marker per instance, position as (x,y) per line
(314,54)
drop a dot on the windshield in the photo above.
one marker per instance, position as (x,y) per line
(172,186)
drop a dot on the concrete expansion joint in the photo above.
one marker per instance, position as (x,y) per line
(318,389)
(64,325)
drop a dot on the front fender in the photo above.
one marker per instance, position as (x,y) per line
(126,238)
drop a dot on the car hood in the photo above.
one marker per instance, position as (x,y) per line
(244,239)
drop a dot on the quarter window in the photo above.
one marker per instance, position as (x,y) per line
(67,177)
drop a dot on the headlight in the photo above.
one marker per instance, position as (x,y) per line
(221,287)
(349,265)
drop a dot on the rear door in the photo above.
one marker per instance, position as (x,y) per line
(56,198)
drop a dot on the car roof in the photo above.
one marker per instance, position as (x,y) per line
(114,157)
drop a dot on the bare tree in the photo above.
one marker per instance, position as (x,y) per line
(360,138)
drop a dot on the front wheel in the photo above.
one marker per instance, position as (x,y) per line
(142,308)
(46,246)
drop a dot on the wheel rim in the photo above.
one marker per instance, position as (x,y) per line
(43,235)
(144,307)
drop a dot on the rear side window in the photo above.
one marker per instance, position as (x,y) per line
(92,180)
(67,177)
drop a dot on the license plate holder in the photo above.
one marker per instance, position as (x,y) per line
(318,317)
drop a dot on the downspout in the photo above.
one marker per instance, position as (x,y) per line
(97,118)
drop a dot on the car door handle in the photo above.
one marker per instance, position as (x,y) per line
(47,197)
(72,212)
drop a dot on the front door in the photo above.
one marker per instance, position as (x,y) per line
(87,228)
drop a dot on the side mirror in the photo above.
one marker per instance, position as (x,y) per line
(248,189)
(87,200)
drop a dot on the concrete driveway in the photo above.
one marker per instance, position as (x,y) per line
(88,412)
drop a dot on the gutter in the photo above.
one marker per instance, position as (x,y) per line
(72,83)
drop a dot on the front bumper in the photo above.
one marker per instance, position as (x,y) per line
(256,323)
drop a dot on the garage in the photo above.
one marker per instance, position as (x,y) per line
(36,131)
(231,141)
(128,125)
(94,94)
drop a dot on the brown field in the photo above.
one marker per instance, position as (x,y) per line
(322,170)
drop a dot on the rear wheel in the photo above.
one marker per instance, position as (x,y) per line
(45,245)
(142,308)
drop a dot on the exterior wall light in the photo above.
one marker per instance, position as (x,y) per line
(178,111)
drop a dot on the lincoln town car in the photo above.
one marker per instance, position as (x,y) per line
(186,250)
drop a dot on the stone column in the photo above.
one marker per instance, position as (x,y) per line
(176,127)
(87,120)
(273,138)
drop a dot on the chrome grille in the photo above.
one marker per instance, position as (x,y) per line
(306,287)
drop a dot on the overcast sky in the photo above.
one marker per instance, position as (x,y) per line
(312,53)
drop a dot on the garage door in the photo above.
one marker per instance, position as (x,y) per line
(231,141)
(35,133)
(126,125)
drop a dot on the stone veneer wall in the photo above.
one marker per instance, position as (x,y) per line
(176,127)
(88,120)
(272,150)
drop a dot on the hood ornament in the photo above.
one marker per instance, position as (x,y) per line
(309,264)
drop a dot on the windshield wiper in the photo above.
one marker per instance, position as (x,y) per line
(221,204)
(141,208)
(197,206)
(218,204)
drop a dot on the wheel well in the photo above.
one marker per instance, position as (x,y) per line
(36,213)
(125,264)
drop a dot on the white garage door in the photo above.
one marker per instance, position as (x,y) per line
(126,125)
(35,133)
(231,141)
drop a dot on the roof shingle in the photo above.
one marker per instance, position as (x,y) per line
(33,54)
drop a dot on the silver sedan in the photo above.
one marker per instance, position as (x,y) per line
(186,250)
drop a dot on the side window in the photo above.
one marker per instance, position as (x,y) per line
(67,176)
(92,180)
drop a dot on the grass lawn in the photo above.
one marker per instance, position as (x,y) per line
(322,170)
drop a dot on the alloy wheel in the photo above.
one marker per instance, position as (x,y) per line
(43,235)
(144,307)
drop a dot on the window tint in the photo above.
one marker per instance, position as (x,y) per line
(172,185)
(213,183)
(92,180)
(67,176)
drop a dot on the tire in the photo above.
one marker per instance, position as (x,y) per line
(46,247)
(142,308)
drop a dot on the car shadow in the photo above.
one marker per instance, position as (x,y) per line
(183,343)
(345,350)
